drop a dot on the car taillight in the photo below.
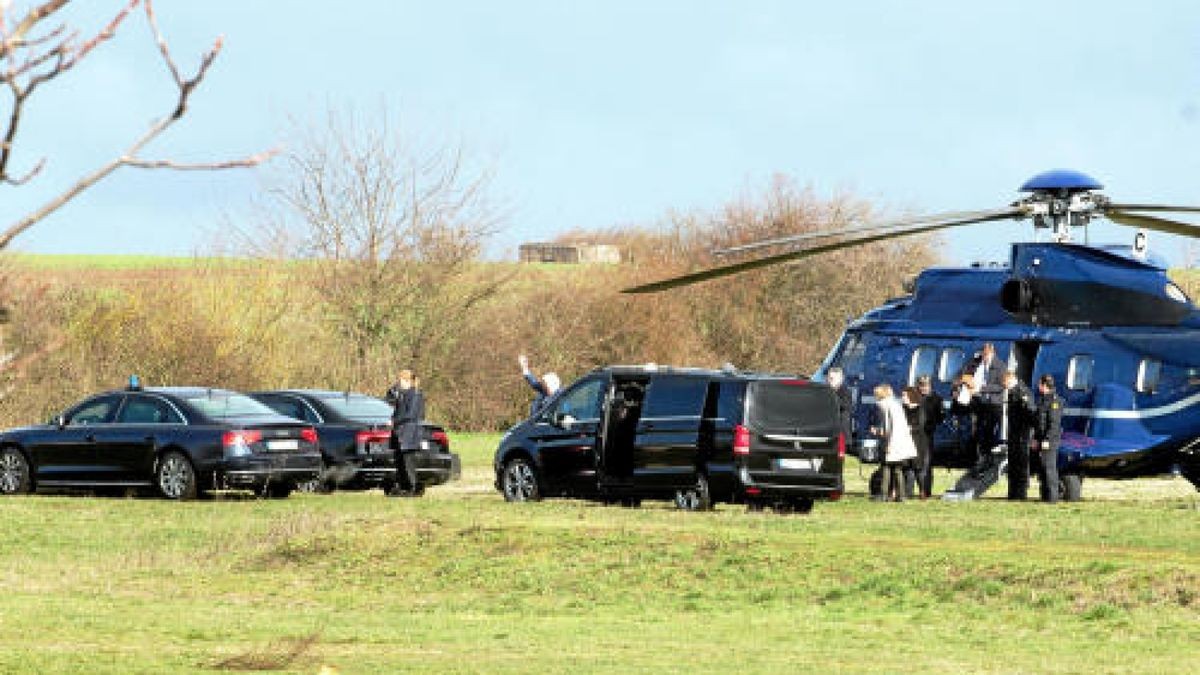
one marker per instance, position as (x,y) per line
(441,439)
(841,446)
(363,438)
(239,438)
(741,440)
(309,434)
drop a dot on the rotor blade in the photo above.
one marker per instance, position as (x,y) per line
(1153,207)
(904,230)
(1152,223)
(860,229)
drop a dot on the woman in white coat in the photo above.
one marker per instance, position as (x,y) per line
(891,428)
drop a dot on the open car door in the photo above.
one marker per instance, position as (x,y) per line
(666,448)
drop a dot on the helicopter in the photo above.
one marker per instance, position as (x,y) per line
(1121,340)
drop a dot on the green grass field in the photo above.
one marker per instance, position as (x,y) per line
(462,582)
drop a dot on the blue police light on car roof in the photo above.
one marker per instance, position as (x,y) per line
(1061,179)
(135,383)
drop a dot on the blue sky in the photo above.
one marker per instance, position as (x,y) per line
(605,113)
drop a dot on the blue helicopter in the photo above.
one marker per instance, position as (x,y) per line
(1120,338)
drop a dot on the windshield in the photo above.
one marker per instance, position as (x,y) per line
(359,407)
(798,408)
(223,405)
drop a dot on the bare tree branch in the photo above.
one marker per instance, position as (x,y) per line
(47,57)
(243,163)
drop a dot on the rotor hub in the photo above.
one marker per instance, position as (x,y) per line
(1060,200)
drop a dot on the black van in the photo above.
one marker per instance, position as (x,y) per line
(627,433)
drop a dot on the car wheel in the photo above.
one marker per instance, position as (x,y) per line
(175,477)
(519,481)
(1071,487)
(695,498)
(14,473)
(278,490)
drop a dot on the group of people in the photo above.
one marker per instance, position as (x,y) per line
(1000,412)
(1006,419)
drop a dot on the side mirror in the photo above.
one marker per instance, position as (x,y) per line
(59,421)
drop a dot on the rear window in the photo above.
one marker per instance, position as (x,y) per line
(359,407)
(221,405)
(779,406)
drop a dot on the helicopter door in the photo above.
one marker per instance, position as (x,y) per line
(1023,358)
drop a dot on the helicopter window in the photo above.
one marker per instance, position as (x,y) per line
(924,362)
(1079,372)
(1148,374)
(951,364)
(852,355)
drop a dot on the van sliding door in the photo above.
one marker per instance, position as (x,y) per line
(667,445)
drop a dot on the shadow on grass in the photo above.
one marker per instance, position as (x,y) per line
(277,655)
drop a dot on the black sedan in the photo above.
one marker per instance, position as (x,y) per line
(182,441)
(355,430)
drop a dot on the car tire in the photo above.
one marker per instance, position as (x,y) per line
(175,477)
(277,490)
(519,481)
(695,498)
(1071,487)
(15,477)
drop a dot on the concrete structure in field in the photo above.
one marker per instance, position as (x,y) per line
(570,253)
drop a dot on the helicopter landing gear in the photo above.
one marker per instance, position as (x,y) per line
(1071,487)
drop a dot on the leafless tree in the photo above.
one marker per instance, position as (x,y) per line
(37,49)
(390,232)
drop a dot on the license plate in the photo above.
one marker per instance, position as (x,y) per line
(288,444)
(796,464)
(378,448)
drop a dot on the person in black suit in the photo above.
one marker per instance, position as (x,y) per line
(836,380)
(1018,421)
(988,398)
(544,387)
(407,413)
(935,411)
(1047,435)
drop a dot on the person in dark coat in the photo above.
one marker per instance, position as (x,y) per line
(543,387)
(1018,420)
(408,410)
(914,414)
(837,381)
(932,405)
(988,380)
(1047,435)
